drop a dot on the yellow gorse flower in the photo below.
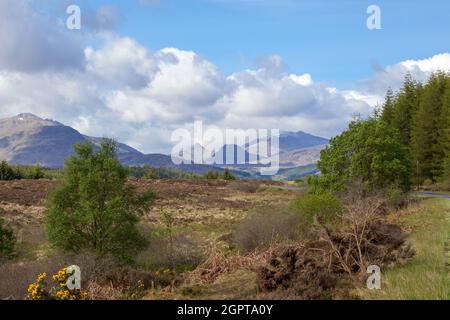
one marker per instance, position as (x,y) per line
(41,277)
(61,276)
(34,291)
(38,290)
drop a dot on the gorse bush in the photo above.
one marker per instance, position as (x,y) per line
(39,290)
(95,208)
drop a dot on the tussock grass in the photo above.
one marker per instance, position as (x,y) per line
(427,276)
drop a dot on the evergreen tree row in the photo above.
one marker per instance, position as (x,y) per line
(421,114)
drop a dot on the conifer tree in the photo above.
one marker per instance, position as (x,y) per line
(405,107)
(426,148)
(388,107)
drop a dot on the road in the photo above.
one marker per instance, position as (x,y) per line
(432,195)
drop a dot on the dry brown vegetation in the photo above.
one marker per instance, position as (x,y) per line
(229,240)
(204,212)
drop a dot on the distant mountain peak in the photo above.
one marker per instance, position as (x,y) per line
(29,119)
(29,139)
(299,133)
(27,116)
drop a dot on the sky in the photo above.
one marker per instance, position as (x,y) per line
(139,69)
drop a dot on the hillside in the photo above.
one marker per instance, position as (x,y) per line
(28,139)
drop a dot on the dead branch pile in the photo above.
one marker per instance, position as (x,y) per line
(313,270)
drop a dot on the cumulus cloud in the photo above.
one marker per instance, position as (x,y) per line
(175,86)
(122,89)
(32,42)
(393,76)
(121,62)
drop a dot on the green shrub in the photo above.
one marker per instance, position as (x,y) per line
(161,173)
(36,172)
(7,172)
(95,208)
(211,175)
(227,175)
(326,206)
(7,241)
(16,172)
(151,174)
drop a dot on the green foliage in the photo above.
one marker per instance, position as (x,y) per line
(211,175)
(227,175)
(327,207)
(56,174)
(370,153)
(7,241)
(421,115)
(31,172)
(388,107)
(167,173)
(405,106)
(214,175)
(95,208)
(148,172)
(428,144)
(446,169)
(8,172)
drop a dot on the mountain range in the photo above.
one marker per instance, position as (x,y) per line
(28,139)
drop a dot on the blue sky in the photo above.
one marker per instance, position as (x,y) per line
(137,72)
(327,38)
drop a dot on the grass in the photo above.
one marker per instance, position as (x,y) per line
(426,277)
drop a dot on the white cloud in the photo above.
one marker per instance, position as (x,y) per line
(121,89)
(435,63)
(31,42)
(121,62)
(393,76)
